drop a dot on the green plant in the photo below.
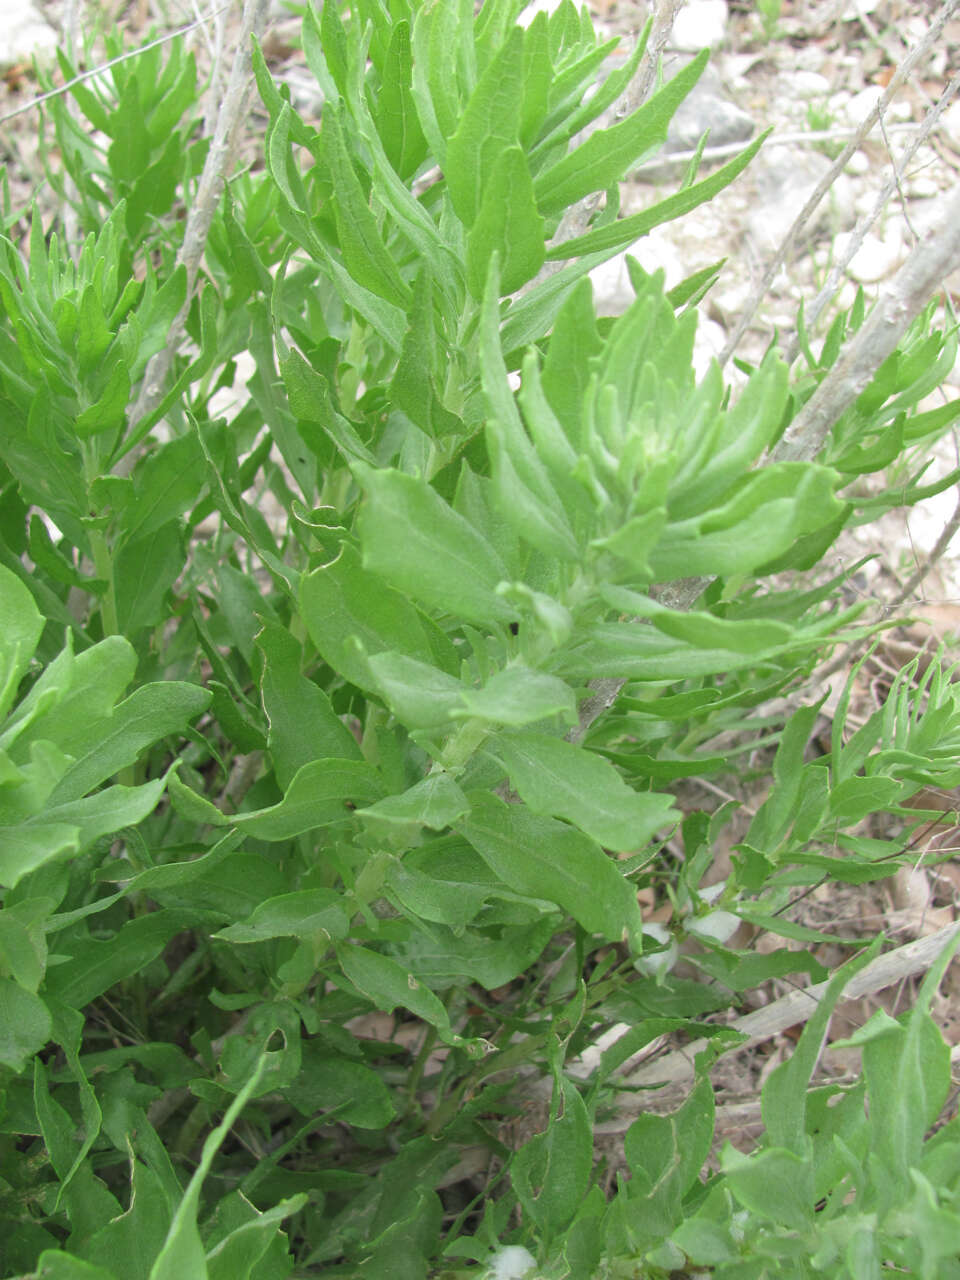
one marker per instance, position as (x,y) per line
(821,120)
(412,683)
(770,12)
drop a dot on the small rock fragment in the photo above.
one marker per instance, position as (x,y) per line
(24,33)
(700,24)
(783,182)
(878,257)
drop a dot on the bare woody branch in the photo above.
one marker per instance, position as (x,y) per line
(219,159)
(900,76)
(898,169)
(797,1007)
(933,259)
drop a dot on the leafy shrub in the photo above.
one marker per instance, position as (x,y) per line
(411,684)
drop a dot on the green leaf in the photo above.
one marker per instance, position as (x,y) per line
(626,231)
(343,599)
(387,984)
(25,1025)
(519,696)
(775,1184)
(307,914)
(607,154)
(20,629)
(507,223)
(546,859)
(540,523)
(311,402)
(400,130)
(488,126)
(414,384)
(144,571)
(419,544)
(73,695)
(239,1254)
(156,317)
(784,1101)
(418,694)
(435,90)
(665,1155)
(907,1069)
(450,902)
(321,793)
(93,335)
(435,802)
(148,715)
(24,848)
(94,965)
(551,1172)
(303,724)
(132,1240)
(365,255)
(770,509)
(54,1265)
(108,414)
(353,1093)
(182,1253)
(717,459)
(103,812)
(452,953)
(169,481)
(555,777)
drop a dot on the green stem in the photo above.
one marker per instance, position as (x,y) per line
(103,568)
(419,1065)
(462,746)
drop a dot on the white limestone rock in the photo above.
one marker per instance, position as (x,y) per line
(24,32)
(700,24)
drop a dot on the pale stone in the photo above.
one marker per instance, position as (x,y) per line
(710,340)
(861,104)
(950,120)
(922,188)
(857,7)
(535,7)
(809,58)
(877,258)
(808,84)
(700,24)
(783,182)
(24,33)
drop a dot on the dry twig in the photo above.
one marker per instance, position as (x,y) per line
(797,1007)
(204,205)
(104,66)
(835,275)
(923,272)
(900,76)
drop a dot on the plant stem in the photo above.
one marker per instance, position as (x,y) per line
(462,746)
(103,568)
